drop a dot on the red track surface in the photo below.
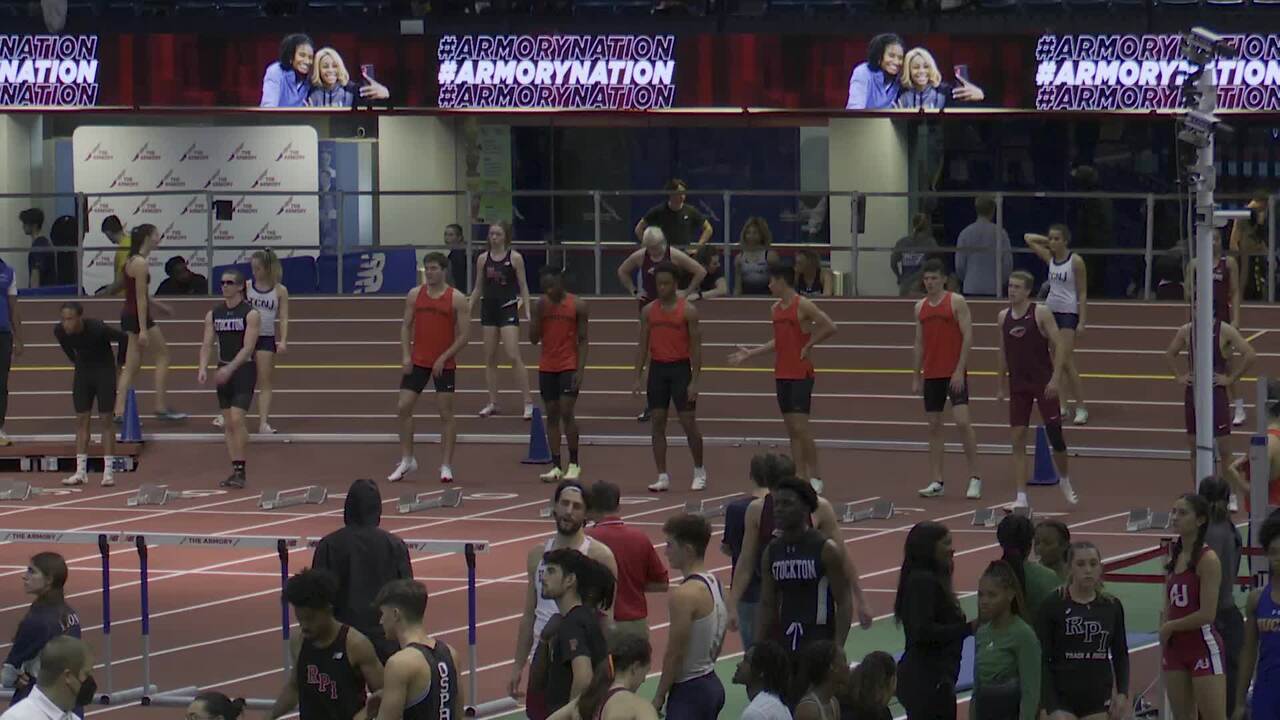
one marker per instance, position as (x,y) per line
(215,612)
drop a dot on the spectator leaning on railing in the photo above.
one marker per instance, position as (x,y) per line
(680,222)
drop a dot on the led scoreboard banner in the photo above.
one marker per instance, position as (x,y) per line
(48,70)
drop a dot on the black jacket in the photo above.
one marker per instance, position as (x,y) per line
(363,557)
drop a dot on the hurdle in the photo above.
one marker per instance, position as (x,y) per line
(707,508)
(412,502)
(878,510)
(20,490)
(280,499)
(987,517)
(1141,519)
(149,494)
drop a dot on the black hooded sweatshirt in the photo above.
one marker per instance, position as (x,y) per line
(363,557)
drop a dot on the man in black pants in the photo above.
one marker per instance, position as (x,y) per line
(802,576)
(87,343)
(334,665)
(10,339)
(236,324)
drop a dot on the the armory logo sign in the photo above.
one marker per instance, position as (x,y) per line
(290,153)
(194,154)
(147,207)
(244,206)
(242,153)
(292,207)
(171,180)
(267,235)
(124,180)
(266,180)
(99,154)
(218,180)
(146,152)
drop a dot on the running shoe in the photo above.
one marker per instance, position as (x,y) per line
(663,484)
(108,479)
(933,489)
(643,416)
(1233,505)
(488,410)
(406,466)
(1082,416)
(1020,502)
(171,416)
(975,488)
(1068,492)
(1239,418)
(218,421)
(446,474)
(117,420)
(77,479)
(265,429)
(5,440)
(699,479)
(528,411)
(554,475)
(234,480)
(816,484)
(573,472)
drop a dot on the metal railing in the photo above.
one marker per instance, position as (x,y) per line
(855,231)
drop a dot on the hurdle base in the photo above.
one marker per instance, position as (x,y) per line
(492,707)
(127,696)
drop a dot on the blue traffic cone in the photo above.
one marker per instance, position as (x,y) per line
(1044,473)
(132,431)
(539,448)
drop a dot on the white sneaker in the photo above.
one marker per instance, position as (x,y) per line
(1239,418)
(817,485)
(573,472)
(265,429)
(699,479)
(78,478)
(218,421)
(5,440)
(554,475)
(933,489)
(663,484)
(975,488)
(1020,501)
(1233,505)
(406,466)
(488,410)
(1082,416)
(1068,492)
(108,480)
(446,474)
(528,411)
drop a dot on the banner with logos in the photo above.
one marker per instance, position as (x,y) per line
(879,70)
(167,177)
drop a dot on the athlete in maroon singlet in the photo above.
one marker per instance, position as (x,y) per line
(436,320)
(1232,358)
(1227,302)
(1031,358)
(1192,656)
(653,252)
(138,322)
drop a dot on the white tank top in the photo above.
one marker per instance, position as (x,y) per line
(267,304)
(546,608)
(707,634)
(1062,287)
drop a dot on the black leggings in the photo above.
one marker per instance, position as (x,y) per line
(6,360)
(1230,626)
(924,694)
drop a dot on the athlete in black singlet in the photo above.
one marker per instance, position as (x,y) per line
(421,681)
(334,665)
(235,323)
(804,594)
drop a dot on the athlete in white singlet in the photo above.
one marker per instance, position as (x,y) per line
(1069,302)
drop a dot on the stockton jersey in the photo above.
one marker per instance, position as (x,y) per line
(802,588)
(230,324)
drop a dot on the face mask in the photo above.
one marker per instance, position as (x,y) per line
(88,691)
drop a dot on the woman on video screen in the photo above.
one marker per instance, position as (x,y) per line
(285,83)
(331,84)
(874,83)
(922,85)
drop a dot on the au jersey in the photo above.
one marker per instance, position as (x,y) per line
(802,588)
(440,701)
(230,325)
(328,687)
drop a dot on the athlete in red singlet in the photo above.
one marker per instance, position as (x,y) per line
(1227,304)
(944,335)
(653,252)
(1028,334)
(559,323)
(798,326)
(435,317)
(1241,475)
(671,348)
(1192,654)
(1227,344)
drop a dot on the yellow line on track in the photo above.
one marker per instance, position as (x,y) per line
(1256,335)
(629,368)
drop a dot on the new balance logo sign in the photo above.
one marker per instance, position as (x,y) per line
(369,276)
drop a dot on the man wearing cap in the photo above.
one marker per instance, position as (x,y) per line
(680,222)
